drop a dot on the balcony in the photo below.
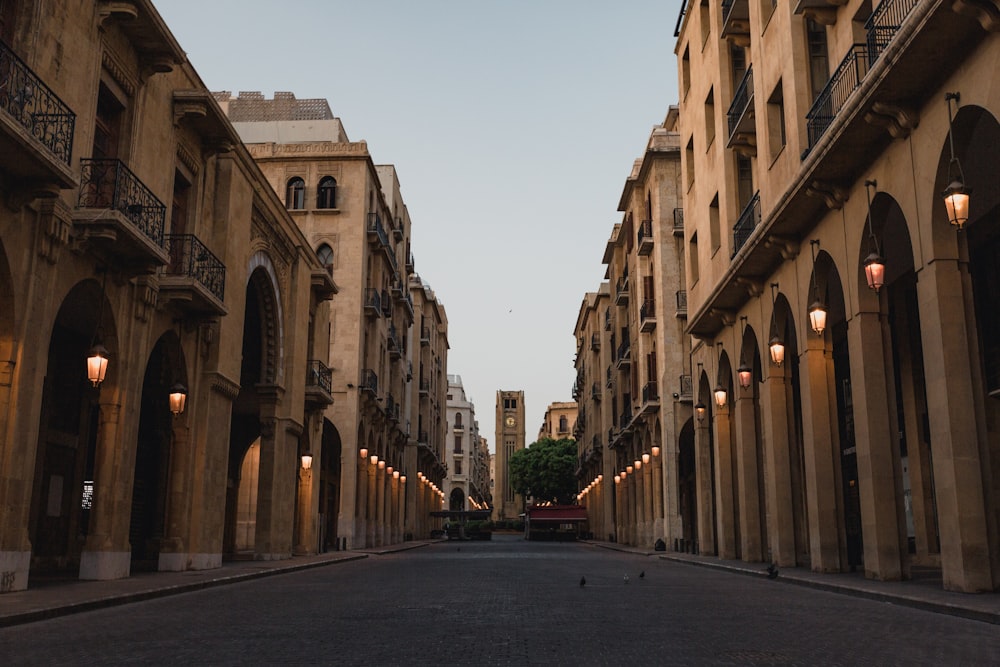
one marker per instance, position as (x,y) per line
(609,380)
(625,420)
(409,262)
(409,371)
(624,356)
(376,232)
(843,82)
(595,393)
(686,389)
(650,398)
(425,335)
(884,23)
(742,120)
(644,237)
(397,229)
(319,383)
(373,302)
(425,386)
(369,382)
(621,291)
(407,303)
(682,304)
(391,408)
(120,215)
(607,319)
(595,342)
(423,439)
(747,222)
(396,289)
(678,222)
(736,21)
(647,316)
(386,304)
(194,279)
(36,127)
(393,344)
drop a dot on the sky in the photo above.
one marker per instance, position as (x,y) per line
(512,125)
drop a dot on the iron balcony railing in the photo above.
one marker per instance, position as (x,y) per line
(621,288)
(645,232)
(191,258)
(626,417)
(831,99)
(386,304)
(742,100)
(595,392)
(109,184)
(373,300)
(608,379)
(595,342)
(319,375)
(647,311)
(611,435)
(607,319)
(747,222)
(376,230)
(679,220)
(650,393)
(369,381)
(682,301)
(686,386)
(422,437)
(425,385)
(884,23)
(624,348)
(409,262)
(393,341)
(425,335)
(31,103)
(727,9)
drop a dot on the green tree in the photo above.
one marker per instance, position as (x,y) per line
(545,470)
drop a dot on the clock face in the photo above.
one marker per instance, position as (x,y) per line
(511,421)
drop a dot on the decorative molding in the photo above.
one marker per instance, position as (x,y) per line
(986,12)
(753,287)
(832,195)
(187,158)
(147,289)
(223,385)
(789,248)
(898,121)
(119,73)
(116,11)
(55,220)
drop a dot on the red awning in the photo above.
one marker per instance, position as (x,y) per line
(557,514)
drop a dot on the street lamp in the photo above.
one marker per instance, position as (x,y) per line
(874,264)
(177,398)
(817,311)
(956,195)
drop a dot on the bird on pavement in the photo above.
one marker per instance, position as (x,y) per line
(642,575)
(583,582)
(772,571)
(626,578)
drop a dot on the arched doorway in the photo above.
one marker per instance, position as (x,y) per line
(456,500)
(251,438)
(164,369)
(64,493)
(329,486)
(687,501)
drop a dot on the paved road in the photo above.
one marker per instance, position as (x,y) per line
(505,602)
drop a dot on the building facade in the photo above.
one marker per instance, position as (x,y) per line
(463,436)
(507,506)
(559,421)
(844,311)
(142,262)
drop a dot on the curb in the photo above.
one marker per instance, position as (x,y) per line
(153,593)
(889,598)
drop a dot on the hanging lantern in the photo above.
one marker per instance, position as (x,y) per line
(97,364)
(720,396)
(656,450)
(177,398)
(956,195)
(745,375)
(363,452)
(307,461)
(700,410)
(875,271)
(777,348)
(817,317)
(645,458)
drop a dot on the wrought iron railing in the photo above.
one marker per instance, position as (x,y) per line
(647,311)
(386,304)
(607,318)
(109,184)
(621,287)
(373,300)
(190,257)
(27,99)
(682,301)
(425,335)
(727,9)
(319,375)
(376,230)
(742,100)
(369,381)
(645,231)
(422,437)
(425,385)
(623,348)
(393,340)
(650,392)
(595,392)
(678,220)
(831,99)
(747,222)
(884,23)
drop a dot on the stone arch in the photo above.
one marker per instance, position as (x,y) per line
(750,459)
(264,279)
(331,453)
(456,500)
(705,467)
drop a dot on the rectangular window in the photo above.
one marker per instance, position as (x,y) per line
(179,207)
(710,118)
(776,122)
(693,258)
(714,225)
(458,444)
(744,180)
(819,57)
(738,61)
(689,162)
(107,124)
(686,71)
(706,25)
(458,466)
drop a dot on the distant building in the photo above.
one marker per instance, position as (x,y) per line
(510,438)
(559,421)
(463,436)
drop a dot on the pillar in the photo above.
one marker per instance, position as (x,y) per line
(703,488)
(744,431)
(106,554)
(777,473)
(725,501)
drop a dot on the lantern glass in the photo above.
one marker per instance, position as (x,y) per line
(777,348)
(97,364)
(629,469)
(395,474)
(745,375)
(875,271)
(618,479)
(817,317)
(956,201)
(374,459)
(177,398)
(388,470)
(363,452)
(307,461)
(381,465)
(720,396)
(645,458)
(700,410)
(656,450)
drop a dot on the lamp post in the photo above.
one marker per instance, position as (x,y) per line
(956,195)
(177,398)
(817,310)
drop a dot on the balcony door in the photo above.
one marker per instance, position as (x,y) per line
(108,124)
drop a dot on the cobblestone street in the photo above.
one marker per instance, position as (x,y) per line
(505,602)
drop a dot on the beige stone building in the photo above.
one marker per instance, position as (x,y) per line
(848,356)
(353,213)
(559,421)
(633,378)
(463,438)
(507,506)
(142,259)
(481,480)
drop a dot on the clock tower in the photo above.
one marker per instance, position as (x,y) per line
(509,438)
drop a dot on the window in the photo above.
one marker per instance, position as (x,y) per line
(295,194)
(326,193)
(686,70)
(179,205)
(744,180)
(458,466)
(689,162)
(710,118)
(458,443)
(738,61)
(819,57)
(107,124)
(706,26)
(458,420)
(325,255)
(693,257)
(776,122)
(563,424)
(713,220)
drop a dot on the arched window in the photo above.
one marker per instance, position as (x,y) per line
(295,194)
(325,255)
(563,424)
(326,194)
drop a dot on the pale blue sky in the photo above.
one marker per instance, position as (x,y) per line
(512,125)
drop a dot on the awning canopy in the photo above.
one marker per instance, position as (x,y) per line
(557,513)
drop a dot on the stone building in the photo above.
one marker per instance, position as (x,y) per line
(353,214)
(143,260)
(845,312)
(559,421)
(460,458)
(507,506)
(633,378)
(481,480)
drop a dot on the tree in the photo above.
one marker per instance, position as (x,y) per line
(545,470)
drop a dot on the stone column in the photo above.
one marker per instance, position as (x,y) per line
(361,502)
(725,502)
(777,473)
(659,530)
(173,548)
(744,429)
(639,535)
(703,488)
(370,516)
(957,433)
(272,538)
(379,533)
(106,554)
(875,442)
(821,456)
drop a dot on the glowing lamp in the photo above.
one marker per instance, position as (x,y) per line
(177,398)
(97,364)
